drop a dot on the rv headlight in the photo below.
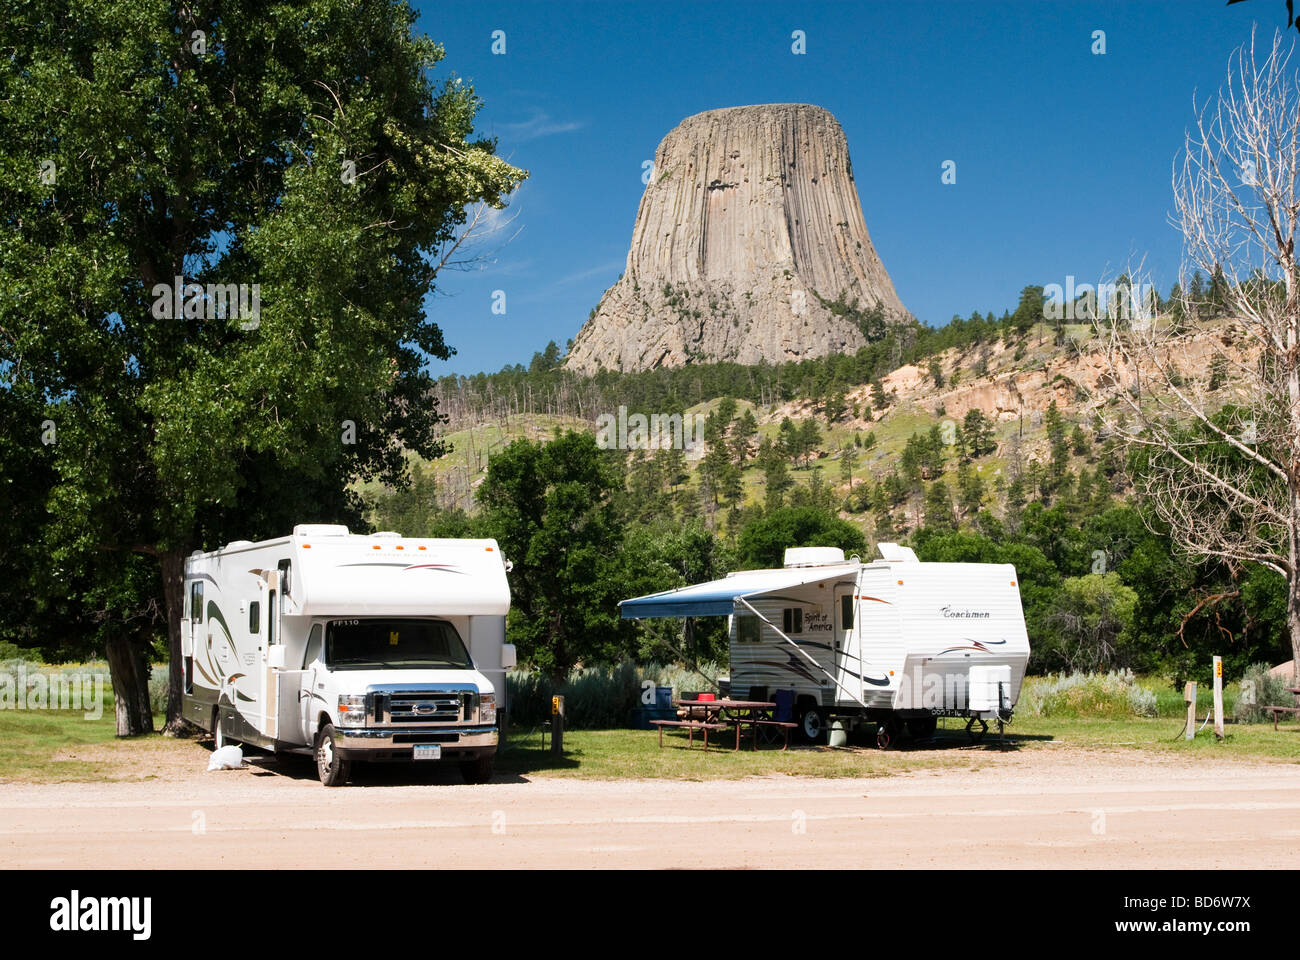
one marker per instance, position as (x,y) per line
(352,710)
(487,708)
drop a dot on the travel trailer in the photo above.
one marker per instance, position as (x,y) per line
(896,642)
(350,647)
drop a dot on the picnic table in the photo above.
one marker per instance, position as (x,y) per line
(1295,691)
(719,715)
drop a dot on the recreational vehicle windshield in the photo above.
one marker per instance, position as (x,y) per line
(350,647)
(896,642)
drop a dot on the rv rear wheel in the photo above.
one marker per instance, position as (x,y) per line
(218,735)
(331,765)
(812,722)
(477,771)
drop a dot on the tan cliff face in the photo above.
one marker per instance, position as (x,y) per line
(750,220)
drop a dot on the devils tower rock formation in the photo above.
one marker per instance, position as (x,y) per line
(749,227)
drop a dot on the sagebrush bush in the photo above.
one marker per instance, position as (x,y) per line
(596,698)
(1260,689)
(1114,694)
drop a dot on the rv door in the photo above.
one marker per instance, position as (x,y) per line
(848,662)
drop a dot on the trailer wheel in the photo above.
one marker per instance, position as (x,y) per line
(812,722)
(478,770)
(331,765)
(884,736)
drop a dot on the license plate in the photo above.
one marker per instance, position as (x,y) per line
(428,751)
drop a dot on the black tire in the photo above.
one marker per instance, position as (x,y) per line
(885,736)
(478,770)
(812,722)
(219,739)
(332,766)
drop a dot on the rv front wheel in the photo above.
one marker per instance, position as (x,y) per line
(331,765)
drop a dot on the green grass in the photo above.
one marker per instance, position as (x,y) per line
(1258,741)
(62,746)
(635,754)
(58,746)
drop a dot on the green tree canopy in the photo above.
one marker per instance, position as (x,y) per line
(157,152)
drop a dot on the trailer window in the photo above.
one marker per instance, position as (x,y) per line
(254,618)
(792,618)
(747,628)
(286,575)
(846,612)
(395,644)
(196,601)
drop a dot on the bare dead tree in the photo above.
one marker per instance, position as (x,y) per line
(1222,467)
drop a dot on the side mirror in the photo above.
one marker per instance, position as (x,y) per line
(275,656)
(509,657)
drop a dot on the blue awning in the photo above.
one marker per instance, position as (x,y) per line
(717,598)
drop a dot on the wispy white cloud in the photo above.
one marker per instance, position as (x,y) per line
(540,124)
(604,268)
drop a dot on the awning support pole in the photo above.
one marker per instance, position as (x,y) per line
(803,653)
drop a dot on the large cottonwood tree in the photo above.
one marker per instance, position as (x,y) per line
(306,148)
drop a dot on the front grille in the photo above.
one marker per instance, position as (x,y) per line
(422,706)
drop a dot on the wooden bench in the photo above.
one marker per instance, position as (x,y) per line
(780,725)
(1276,710)
(691,726)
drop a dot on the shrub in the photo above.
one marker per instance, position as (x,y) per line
(595,698)
(1114,694)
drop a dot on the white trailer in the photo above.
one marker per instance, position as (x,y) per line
(350,647)
(896,642)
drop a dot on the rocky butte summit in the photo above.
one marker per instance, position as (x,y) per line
(748,230)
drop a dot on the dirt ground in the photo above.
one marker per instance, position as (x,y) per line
(1057,808)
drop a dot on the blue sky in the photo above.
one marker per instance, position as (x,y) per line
(1063,157)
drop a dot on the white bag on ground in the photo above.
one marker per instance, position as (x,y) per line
(227,758)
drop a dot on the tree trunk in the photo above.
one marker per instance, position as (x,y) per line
(128,665)
(1293,627)
(173,574)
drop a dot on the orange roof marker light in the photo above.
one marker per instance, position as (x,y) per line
(421,548)
(488,549)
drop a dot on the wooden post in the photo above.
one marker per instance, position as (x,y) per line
(1189,695)
(557,726)
(1218,697)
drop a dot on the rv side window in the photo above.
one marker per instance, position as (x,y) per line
(270,617)
(196,601)
(313,646)
(747,628)
(846,612)
(254,618)
(793,619)
(286,572)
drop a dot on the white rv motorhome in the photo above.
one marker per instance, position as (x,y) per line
(896,642)
(350,647)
